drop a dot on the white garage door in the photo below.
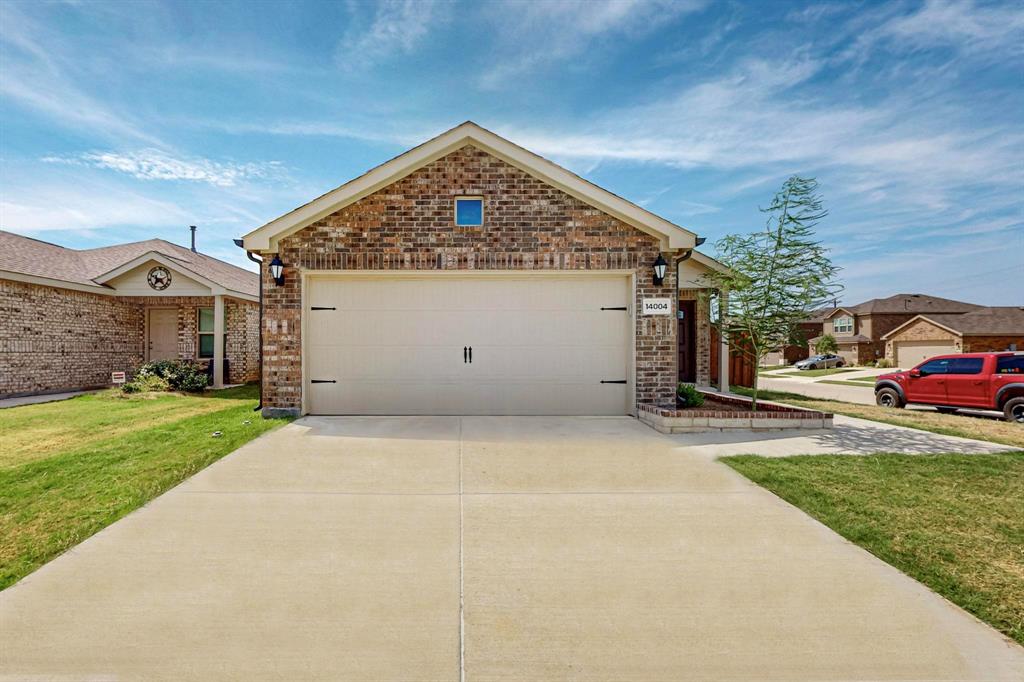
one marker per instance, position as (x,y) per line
(468,345)
(912,353)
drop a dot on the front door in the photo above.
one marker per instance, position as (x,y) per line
(687,341)
(163,334)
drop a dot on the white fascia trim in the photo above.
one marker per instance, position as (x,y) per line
(174,264)
(266,238)
(710,263)
(56,283)
(839,310)
(914,319)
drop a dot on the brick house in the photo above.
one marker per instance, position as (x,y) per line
(471,276)
(859,330)
(810,328)
(71,317)
(983,330)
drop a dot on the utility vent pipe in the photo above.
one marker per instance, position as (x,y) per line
(193,229)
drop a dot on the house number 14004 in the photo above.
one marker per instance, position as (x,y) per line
(657,306)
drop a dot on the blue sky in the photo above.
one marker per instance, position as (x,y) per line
(123,121)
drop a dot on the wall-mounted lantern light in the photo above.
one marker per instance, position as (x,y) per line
(660,266)
(277,270)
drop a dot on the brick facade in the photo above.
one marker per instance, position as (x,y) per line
(408,225)
(990,344)
(55,339)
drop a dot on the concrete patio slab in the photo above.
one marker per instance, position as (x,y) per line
(489,548)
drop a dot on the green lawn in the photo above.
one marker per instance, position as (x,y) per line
(982,428)
(953,522)
(71,468)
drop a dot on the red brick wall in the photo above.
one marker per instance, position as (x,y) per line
(59,339)
(408,225)
(988,344)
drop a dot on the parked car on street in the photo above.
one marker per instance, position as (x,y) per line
(824,361)
(985,381)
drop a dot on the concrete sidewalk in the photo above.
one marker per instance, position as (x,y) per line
(849,436)
(36,399)
(490,548)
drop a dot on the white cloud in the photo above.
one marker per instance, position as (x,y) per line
(153,164)
(763,116)
(397,28)
(82,208)
(36,77)
(958,23)
(529,35)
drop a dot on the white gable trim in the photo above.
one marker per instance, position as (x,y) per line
(927,319)
(841,310)
(266,238)
(173,264)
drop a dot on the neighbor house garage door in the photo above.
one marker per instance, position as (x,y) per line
(443,344)
(912,353)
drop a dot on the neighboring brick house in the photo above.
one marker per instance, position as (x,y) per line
(859,329)
(811,328)
(470,276)
(69,318)
(982,330)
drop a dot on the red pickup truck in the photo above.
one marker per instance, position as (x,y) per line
(985,381)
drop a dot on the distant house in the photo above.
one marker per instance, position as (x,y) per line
(861,331)
(801,349)
(69,318)
(981,330)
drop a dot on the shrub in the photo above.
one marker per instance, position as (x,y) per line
(179,375)
(826,344)
(884,363)
(146,384)
(689,396)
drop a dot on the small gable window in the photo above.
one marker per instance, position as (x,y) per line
(469,211)
(843,325)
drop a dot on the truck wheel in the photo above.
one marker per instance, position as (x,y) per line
(1014,410)
(888,397)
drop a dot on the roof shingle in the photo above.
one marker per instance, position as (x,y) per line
(30,256)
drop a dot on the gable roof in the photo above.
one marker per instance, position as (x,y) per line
(89,269)
(985,321)
(267,237)
(910,303)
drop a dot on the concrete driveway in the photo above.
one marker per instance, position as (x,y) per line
(494,548)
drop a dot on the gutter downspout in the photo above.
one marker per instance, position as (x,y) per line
(259,262)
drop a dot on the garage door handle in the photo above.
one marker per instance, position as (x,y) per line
(616,308)
(322,381)
(471,355)
(465,356)
(616,381)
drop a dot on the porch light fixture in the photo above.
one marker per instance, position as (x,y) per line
(277,270)
(660,266)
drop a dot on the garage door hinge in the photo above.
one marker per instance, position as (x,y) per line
(322,381)
(616,381)
(616,308)
(316,307)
